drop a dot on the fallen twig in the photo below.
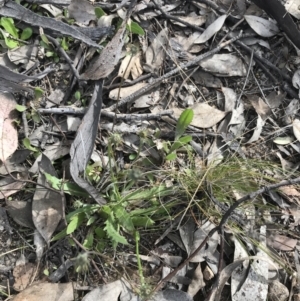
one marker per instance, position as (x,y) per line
(127,117)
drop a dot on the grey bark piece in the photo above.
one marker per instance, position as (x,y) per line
(83,145)
(19,12)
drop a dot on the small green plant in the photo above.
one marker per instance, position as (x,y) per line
(66,187)
(31,113)
(184,121)
(77,96)
(135,28)
(12,36)
(27,145)
(50,51)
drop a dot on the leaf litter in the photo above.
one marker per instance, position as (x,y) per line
(190,104)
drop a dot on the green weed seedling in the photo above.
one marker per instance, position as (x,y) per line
(78,97)
(184,121)
(50,50)
(11,35)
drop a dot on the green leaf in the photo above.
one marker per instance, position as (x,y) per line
(185,139)
(35,117)
(175,146)
(99,12)
(142,221)
(45,39)
(74,189)
(53,181)
(64,44)
(86,210)
(69,188)
(100,233)
(132,157)
(62,234)
(49,54)
(77,95)
(45,45)
(89,240)
(91,220)
(38,92)
(184,121)
(9,26)
(26,33)
(136,28)
(171,156)
(26,143)
(180,142)
(20,108)
(105,212)
(9,42)
(146,194)
(76,221)
(113,234)
(124,218)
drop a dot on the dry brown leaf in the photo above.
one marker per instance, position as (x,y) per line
(23,275)
(197,282)
(211,30)
(110,55)
(225,64)
(47,291)
(131,64)
(21,212)
(289,190)
(9,186)
(156,52)
(205,116)
(263,27)
(260,106)
(124,92)
(8,132)
(282,242)
(82,11)
(47,205)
